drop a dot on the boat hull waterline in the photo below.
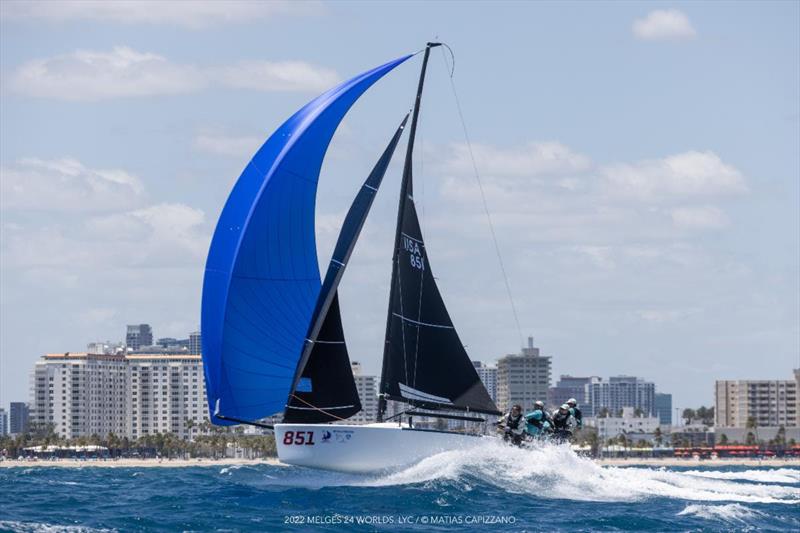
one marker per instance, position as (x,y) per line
(364,449)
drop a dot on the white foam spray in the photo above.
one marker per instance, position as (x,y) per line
(778,475)
(552,471)
(730,513)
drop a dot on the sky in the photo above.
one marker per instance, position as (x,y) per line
(640,164)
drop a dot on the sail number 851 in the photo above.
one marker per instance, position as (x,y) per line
(299,438)
(414,253)
(417,262)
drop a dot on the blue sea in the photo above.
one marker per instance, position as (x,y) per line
(495,488)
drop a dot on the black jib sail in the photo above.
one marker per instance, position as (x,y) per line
(424,362)
(324,389)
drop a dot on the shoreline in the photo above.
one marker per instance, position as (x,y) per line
(675,461)
(136,463)
(273,461)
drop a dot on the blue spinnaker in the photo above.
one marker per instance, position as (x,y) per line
(262,278)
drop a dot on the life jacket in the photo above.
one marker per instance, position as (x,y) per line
(578,415)
(560,420)
(514,424)
(534,422)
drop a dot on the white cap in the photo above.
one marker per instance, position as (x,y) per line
(564,406)
(572,400)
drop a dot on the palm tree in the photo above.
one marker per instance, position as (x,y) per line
(658,436)
(780,437)
(751,424)
(190,425)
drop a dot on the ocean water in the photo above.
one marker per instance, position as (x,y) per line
(494,488)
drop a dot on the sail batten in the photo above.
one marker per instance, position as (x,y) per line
(262,277)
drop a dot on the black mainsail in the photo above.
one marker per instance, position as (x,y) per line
(324,389)
(424,362)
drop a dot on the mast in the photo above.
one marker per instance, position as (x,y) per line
(406,190)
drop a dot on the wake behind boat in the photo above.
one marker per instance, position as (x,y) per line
(273,338)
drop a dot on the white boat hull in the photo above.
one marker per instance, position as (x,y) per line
(363,449)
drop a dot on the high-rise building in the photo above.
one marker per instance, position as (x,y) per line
(767,402)
(619,392)
(522,378)
(107,347)
(80,394)
(18,418)
(367,387)
(167,395)
(663,408)
(195,343)
(488,375)
(569,387)
(132,395)
(138,335)
(167,342)
(3,422)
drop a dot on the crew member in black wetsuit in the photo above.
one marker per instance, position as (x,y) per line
(563,422)
(573,406)
(513,426)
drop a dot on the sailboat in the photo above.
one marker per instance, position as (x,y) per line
(273,340)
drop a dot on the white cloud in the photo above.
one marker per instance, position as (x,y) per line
(241,146)
(66,185)
(687,174)
(195,14)
(575,203)
(533,159)
(97,315)
(660,25)
(86,75)
(156,232)
(600,256)
(660,316)
(162,235)
(276,76)
(705,217)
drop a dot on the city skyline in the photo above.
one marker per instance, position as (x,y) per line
(486,369)
(642,178)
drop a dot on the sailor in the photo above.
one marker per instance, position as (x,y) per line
(513,425)
(563,422)
(538,425)
(573,408)
(539,406)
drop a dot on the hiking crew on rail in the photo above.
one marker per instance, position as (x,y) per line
(539,424)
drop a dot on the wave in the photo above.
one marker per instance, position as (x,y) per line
(230,469)
(732,512)
(557,472)
(778,475)
(40,527)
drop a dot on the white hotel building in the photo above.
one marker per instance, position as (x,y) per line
(167,395)
(83,394)
(367,387)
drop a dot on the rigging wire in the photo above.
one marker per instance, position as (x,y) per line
(314,407)
(480,188)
